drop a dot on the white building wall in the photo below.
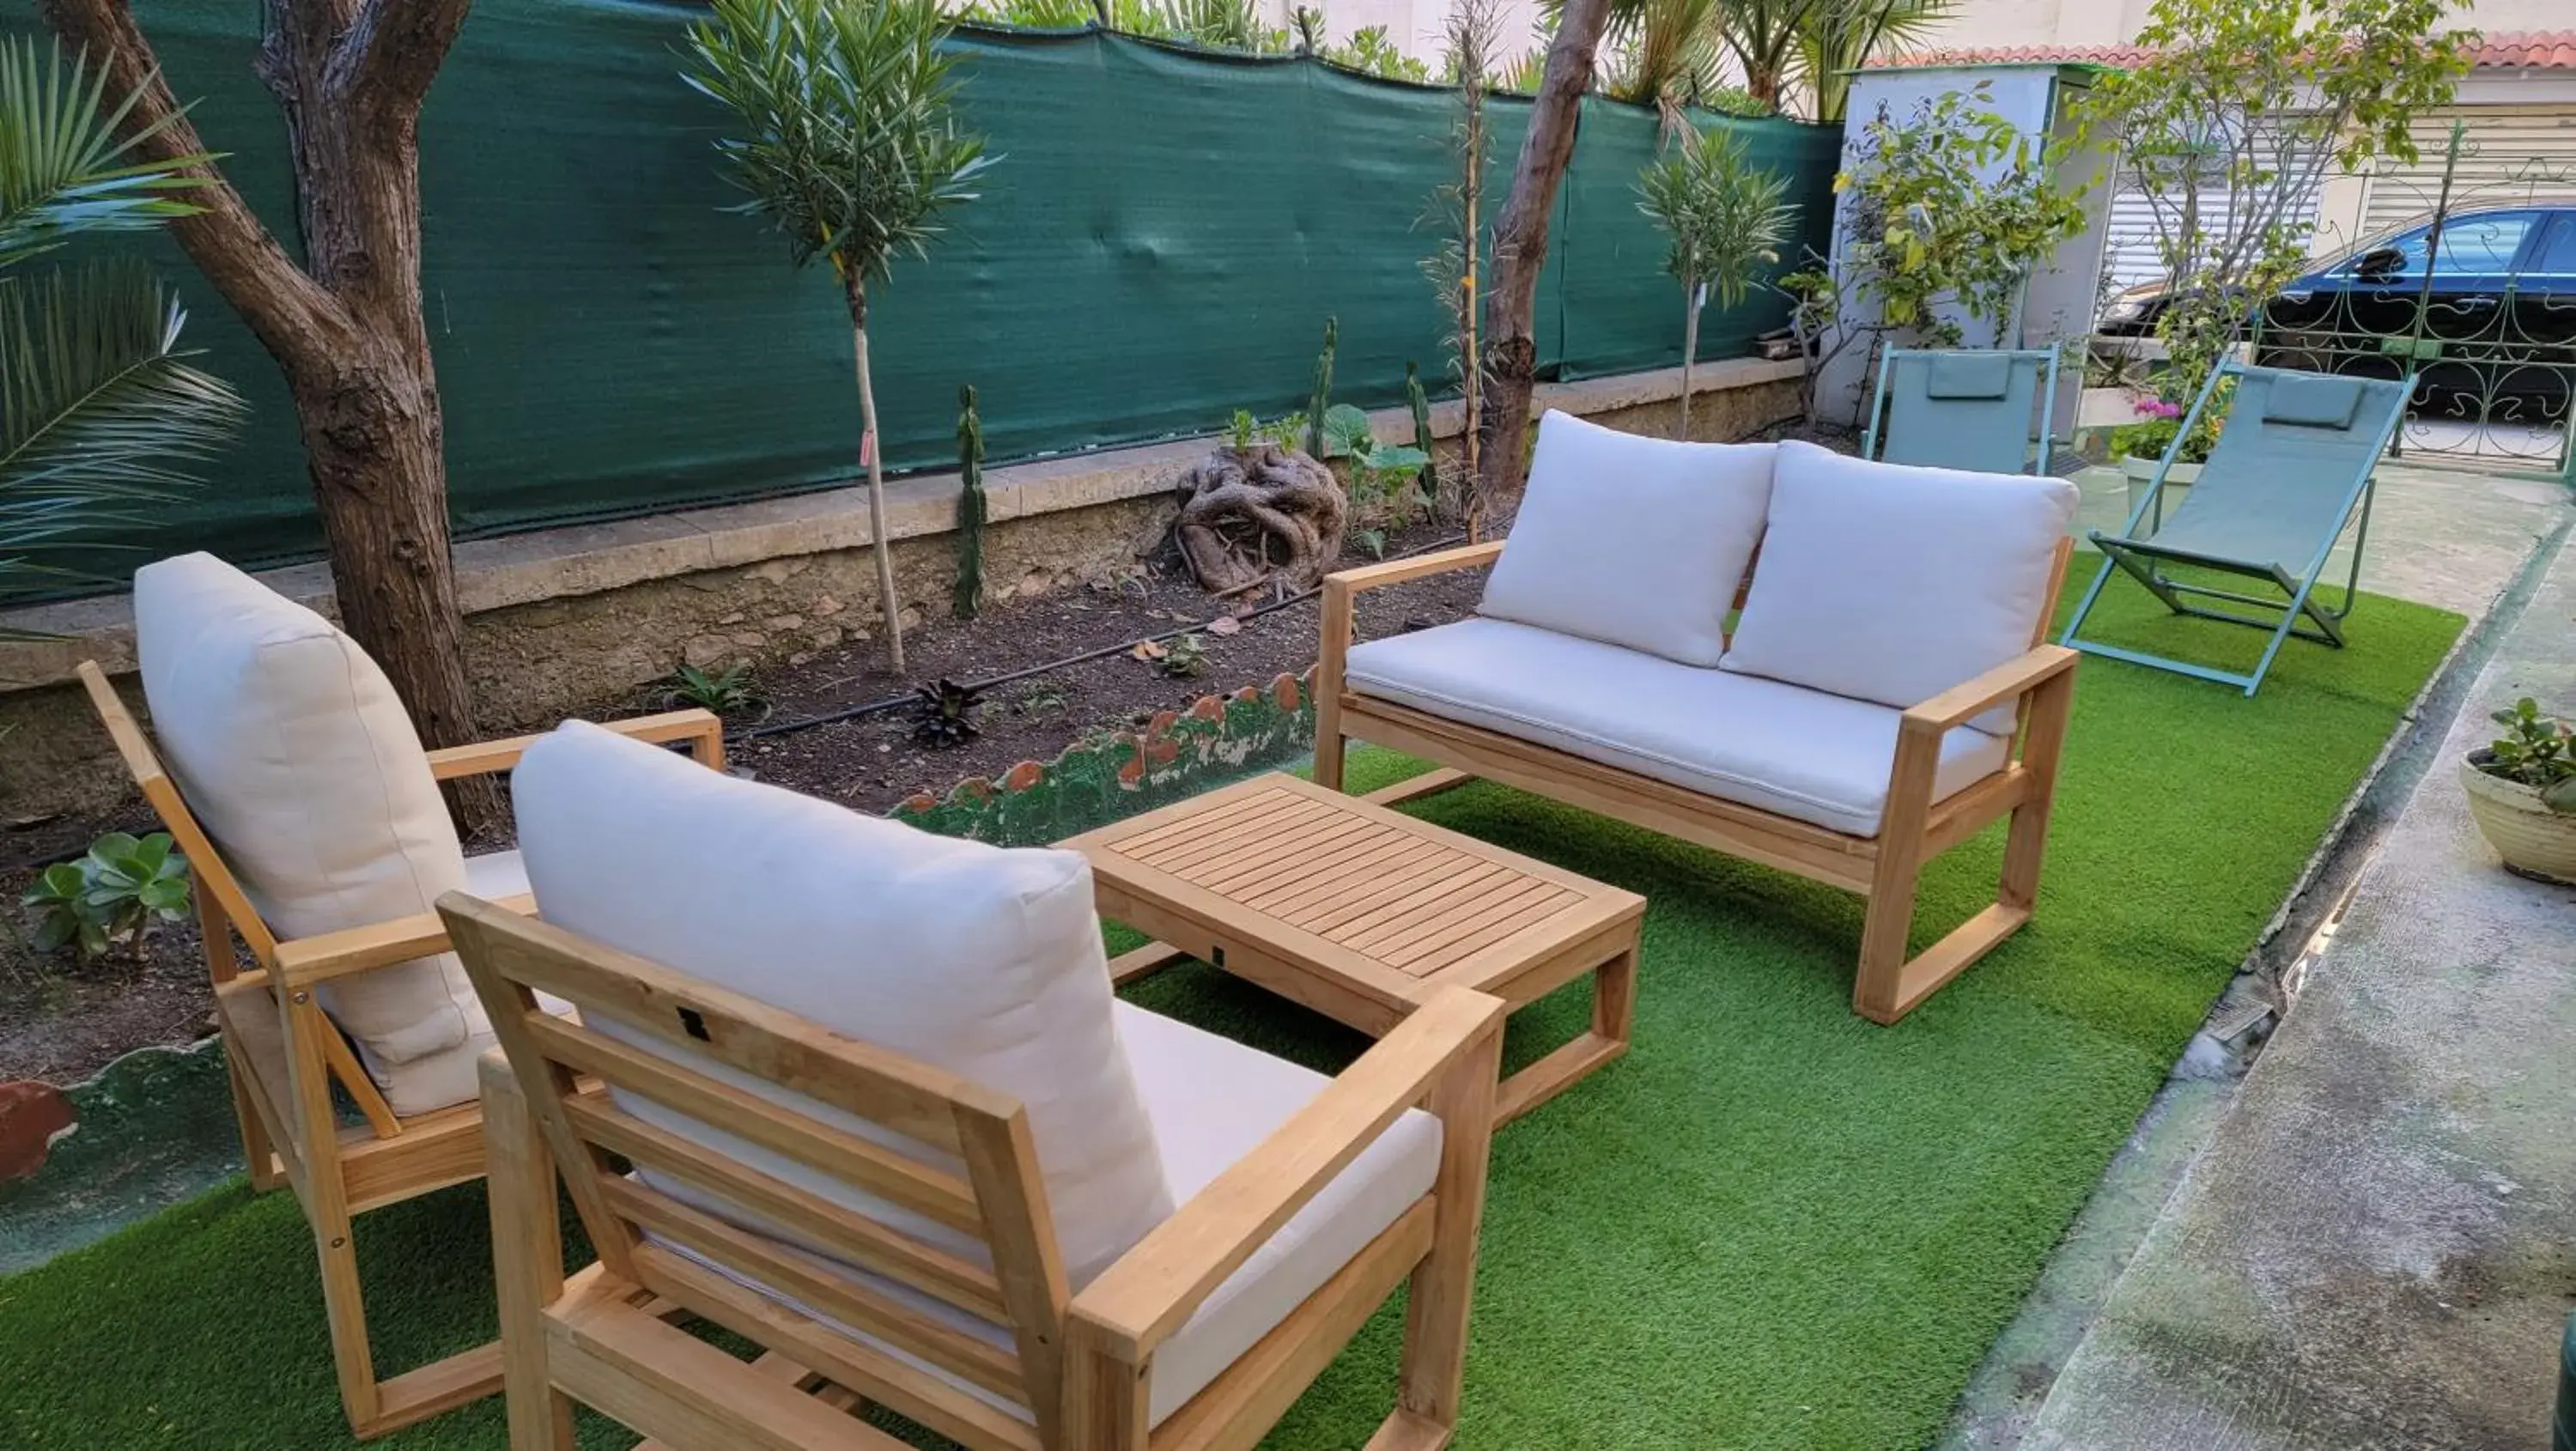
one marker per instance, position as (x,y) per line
(1418,27)
(1987,23)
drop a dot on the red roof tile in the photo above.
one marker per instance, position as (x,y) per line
(2532,49)
(2503,50)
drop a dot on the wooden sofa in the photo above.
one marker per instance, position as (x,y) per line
(1920,658)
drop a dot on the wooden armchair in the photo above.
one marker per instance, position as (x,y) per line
(1152,1246)
(286,1057)
(982,1340)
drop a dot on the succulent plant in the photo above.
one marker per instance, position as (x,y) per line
(945,717)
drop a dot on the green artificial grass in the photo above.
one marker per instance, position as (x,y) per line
(1772,1225)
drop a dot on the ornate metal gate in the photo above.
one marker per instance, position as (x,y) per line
(2473,299)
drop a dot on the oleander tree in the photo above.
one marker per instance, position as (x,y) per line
(1725,220)
(101,415)
(849,145)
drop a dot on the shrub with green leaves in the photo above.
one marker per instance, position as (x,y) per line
(108,897)
(1380,473)
(2539,751)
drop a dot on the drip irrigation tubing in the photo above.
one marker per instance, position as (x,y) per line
(892,702)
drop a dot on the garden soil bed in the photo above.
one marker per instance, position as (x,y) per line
(61,1022)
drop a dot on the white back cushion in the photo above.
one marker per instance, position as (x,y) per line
(1890,583)
(980,961)
(294,754)
(1632,541)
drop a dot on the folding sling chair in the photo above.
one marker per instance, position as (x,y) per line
(2291,470)
(1963,410)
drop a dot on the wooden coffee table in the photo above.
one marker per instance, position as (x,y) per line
(1360,913)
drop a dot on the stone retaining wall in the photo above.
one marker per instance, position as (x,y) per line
(580,620)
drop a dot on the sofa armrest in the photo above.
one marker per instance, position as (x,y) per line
(701,729)
(2010,680)
(1420,566)
(1152,1289)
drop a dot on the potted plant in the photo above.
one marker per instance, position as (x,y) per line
(2139,449)
(2522,793)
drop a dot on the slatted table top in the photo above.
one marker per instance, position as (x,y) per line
(1344,885)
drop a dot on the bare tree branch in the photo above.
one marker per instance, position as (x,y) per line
(391,52)
(292,314)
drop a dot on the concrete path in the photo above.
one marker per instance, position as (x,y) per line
(2446,537)
(2377,1248)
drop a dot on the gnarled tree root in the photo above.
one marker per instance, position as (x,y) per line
(1259,516)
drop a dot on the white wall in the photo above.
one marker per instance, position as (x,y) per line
(2059,297)
(1983,24)
(1417,26)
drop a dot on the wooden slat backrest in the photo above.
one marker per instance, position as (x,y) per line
(997,1200)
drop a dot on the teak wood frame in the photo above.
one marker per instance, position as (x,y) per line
(1082,1364)
(1883,869)
(284,1058)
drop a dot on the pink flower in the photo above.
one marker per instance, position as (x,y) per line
(2158,408)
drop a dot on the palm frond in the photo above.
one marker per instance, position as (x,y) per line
(1840,36)
(96,400)
(64,169)
(1668,56)
(100,414)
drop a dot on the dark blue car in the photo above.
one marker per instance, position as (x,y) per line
(2487,314)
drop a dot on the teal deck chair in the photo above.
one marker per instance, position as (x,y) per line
(2292,469)
(1963,410)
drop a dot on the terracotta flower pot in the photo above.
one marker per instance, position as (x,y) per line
(2533,840)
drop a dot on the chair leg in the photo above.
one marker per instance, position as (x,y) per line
(1106,1401)
(344,1305)
(1434,1369)
(2052,706)
(527,1260)
(1340,618)
(258,1154)
(1330,746)
(1878,988)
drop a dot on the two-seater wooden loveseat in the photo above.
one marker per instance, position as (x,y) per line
(1883,696)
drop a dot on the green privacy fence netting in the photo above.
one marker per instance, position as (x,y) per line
(1159,246)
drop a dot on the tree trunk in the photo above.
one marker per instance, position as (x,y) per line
(372,436)
(870,451)
(1520,254)
(1763,84)
(345,326)
(1690,351)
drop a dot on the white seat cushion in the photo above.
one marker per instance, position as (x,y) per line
(983,962)
(1632,541)
(1782,748)
(446,1078)
(293,752)
(1213,1101)
(496,874)
(1892,583)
